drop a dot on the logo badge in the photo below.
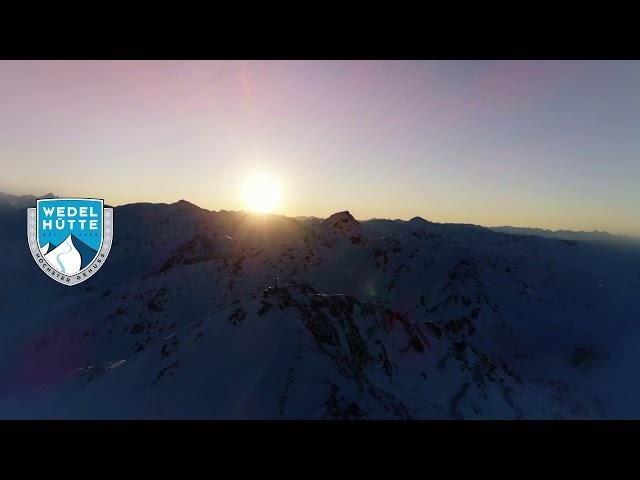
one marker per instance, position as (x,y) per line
(70,238)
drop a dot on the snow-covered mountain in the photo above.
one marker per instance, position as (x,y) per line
(71,256)
(201,314)
(65,257)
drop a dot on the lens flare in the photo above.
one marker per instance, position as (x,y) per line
(262,194)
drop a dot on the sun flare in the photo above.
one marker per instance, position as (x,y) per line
(262,194)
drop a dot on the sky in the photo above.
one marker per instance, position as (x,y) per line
(547,144)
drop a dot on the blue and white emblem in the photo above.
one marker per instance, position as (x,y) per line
(70,238)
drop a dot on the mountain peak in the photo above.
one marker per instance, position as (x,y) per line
(342,222)
(186,205)
(341,217)
(418,220)
(65,257)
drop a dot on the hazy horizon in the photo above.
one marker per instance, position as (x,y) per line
(533,227)
(550,144)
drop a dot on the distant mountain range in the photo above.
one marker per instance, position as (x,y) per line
(205,314)
(565,234)
(11,202)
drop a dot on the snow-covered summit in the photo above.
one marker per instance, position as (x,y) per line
(65,257)
(342,223)
(341,218)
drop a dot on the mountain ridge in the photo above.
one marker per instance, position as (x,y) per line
(28,200)
(233,315)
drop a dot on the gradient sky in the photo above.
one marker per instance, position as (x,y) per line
(541,144)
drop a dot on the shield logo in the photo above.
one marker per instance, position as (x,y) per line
(70,238)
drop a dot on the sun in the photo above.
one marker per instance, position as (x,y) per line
(262,193)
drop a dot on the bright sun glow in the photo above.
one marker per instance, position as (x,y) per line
(262,194)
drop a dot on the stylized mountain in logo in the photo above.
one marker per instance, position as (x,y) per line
(71,256)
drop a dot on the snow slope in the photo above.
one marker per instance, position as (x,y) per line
(200,314)
(65,257)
